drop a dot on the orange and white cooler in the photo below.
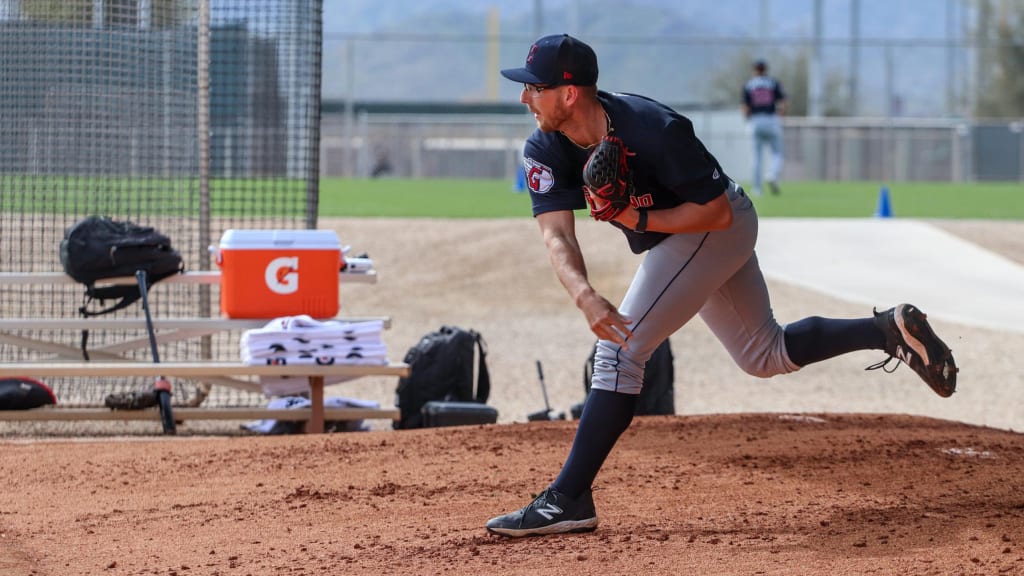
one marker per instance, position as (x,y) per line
(273,273)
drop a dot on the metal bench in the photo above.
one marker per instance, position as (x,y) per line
(111,363)
(315,416)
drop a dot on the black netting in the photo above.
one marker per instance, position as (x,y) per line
(103,110)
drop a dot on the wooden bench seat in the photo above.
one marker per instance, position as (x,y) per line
(315,373)
(195,277)
(53,413)
(166,330)
(192,323)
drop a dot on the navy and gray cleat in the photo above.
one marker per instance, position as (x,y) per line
(550,513)
(909,339)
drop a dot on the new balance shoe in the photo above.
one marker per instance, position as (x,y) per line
(909,339)
(550,513)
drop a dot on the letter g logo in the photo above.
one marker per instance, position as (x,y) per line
(282,275)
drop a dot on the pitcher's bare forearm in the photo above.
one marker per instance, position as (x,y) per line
(604,319)
(569,266)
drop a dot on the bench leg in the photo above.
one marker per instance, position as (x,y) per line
(316,397)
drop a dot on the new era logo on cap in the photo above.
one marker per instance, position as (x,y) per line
(556,60)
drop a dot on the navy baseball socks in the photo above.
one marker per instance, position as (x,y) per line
(568,505)
(902,332)
(909,339)
(814,338)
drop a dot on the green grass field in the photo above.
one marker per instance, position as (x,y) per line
(496,199)
(437,198)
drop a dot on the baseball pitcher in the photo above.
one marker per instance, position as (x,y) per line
(637,165)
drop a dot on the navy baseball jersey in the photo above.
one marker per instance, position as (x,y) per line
(670,164)
(762,93)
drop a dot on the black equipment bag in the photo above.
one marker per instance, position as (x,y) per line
(97,247)
(20,393)
(658,394)
(441,369)
(438,414)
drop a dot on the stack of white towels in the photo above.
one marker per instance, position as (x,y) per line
(298,340)
(269,426)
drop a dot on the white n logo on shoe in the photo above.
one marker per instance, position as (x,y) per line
(548,511)
(904,355)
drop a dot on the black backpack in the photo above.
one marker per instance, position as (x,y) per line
(20,393)
(658,394)
(98,247)
(441,369)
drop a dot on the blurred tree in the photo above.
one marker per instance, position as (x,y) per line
(64,11)
(1000,60)
(161,13)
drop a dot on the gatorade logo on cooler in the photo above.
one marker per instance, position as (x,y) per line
(282,275)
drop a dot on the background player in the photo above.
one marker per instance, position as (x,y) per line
(763,104)
(697,228)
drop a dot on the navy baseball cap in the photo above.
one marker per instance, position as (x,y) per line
(557,60)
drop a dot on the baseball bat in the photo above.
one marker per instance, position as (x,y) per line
(162,387)
(546,414)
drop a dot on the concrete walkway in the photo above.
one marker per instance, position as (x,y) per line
(884,261)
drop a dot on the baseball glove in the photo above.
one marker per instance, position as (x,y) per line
(608,184)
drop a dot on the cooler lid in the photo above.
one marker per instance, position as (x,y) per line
(291,239)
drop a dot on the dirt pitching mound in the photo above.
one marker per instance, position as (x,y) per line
(729,494)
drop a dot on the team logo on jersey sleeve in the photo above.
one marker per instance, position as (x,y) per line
(538,176)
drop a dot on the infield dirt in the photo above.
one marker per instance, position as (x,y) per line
(827,471)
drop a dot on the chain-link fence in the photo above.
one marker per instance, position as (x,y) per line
(450,144)
(872,77)
(190,116)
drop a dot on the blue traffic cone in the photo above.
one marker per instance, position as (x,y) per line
(520,183)
(884,209)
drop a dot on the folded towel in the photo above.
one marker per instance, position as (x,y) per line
(307,327)
(291,385)
(378,359)
(304,341)
(327,350)
(270,426)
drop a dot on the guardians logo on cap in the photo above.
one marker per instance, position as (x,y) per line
(557,60)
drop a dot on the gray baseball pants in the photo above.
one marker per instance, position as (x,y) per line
(767,132)
(715,274)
